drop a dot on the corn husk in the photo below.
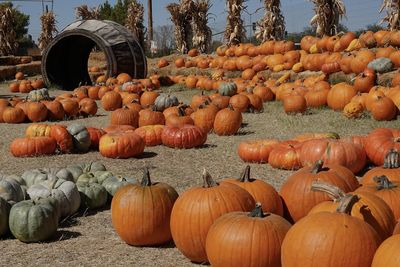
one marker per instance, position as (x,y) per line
(181,18)
(8,37)
(201,32)
(235,33)
(272,26)
(328,13)
(48,22)
(84,12)
(134,20)
(392,14)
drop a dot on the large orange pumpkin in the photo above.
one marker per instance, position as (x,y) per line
(33,146)
(256,151)
(387,254)
(227,121)
(379,142)
(121,145)
(186,136)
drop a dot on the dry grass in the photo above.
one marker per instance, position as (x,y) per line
(91,241)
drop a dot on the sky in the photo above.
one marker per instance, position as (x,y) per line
(297,13)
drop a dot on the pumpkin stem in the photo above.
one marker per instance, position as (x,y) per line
(146,178)
(384,182)
(346,204)
(208,180)
(231,107)
(317,166)
(334,192)
(245,175)
(257,212)
(181,112)
(391,159)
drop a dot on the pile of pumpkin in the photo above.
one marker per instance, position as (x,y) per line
(221,223)
(352,152)
(32,205)
(22,85)
(39,106)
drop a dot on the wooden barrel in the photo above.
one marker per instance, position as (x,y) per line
(65,60)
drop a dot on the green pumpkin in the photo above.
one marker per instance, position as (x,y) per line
(227,89)
(21,183)
(114,183)
(102,176)
(88,177)
(34,220)
(80,137)
(10,190)
(39,95)
(36,176)
(381,65)
(65,192)
(78,169)
(93,195)
(164,101)
(4,213)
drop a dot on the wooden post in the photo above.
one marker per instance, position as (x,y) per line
(150,18)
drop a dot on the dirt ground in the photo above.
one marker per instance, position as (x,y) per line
(90,240)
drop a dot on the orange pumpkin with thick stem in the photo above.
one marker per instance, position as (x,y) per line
(380,142)
(256,151)
(244,235)
(330,239)
(296,192)
(63,138)
(148,202)
(196,210)
(339,152)
(227,121)
(121,145)
(151,134)
(33,146)
(178,120)
(370,208)
(261,191)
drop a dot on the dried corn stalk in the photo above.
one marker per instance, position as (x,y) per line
(134,20)
(84,12)
(234,30)
(272,26)
(327,16)
(180,16)
(201,32)
(48,22)
(392,14)
(8,42)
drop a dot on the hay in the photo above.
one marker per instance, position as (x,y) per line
(84,12)
(327,16)
(134,20)
(392,14)
(272,26)
(181,17)
(8,42)
(234,30)
(48,22)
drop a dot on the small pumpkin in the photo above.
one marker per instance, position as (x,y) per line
(10,190)
(111,101)
(151,117)
(227,89)
(39,95)
(353,110)
(146,219)
(164,101)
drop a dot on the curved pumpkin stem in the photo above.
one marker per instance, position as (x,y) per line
(181,112)
(384,182)
(146,178)
(245,175)
(257,212)
(334,192)
(317,166)
(392,159)
(208,180)
(347,203)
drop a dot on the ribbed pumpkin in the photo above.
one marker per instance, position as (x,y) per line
(330,239)
(340,95)
(186,136)
(204,117)
(379,142)
(386,190)
(316,97)
(151,134)
(125,116)
(387,254)
(227,121)
(285,155)
(197,209)
(338,152)
(121,145)
(261,191)
(111,101)
(246,239)
(256,151)
(37,129)
(33,146)
(296,192)
(151,117)
(141,213)
(368,207)
(13,115)
(389,169)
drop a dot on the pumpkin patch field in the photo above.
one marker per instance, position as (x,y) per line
(164,170)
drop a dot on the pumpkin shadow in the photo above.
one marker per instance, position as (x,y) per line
(62,235)
(206,146)
(84,212)
(240,133)
(170,244)
(147,155)
(244,125)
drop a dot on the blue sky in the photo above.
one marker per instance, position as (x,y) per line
(297,13)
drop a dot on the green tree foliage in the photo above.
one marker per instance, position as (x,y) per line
(116,13)
(21,21)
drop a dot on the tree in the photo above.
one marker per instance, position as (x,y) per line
(21,21)
(164,37)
